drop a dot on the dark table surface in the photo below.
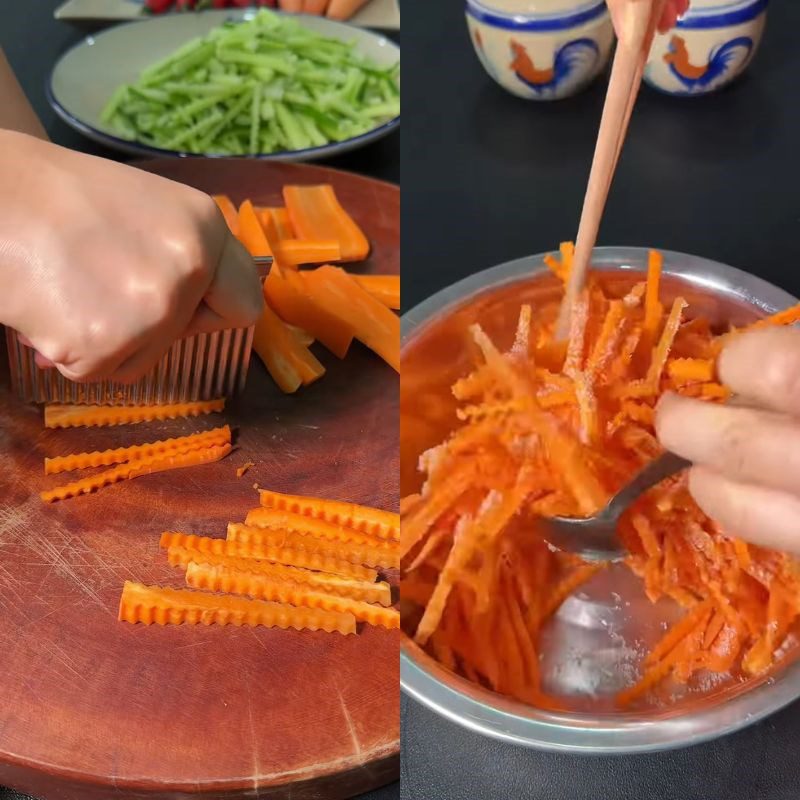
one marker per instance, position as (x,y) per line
(488,178)
(32,41)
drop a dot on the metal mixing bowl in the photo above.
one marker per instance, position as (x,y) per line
(592,646)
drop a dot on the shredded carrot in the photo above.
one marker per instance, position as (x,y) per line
(240,471)
(374,555)
(307,559)
(136,468)
(385,288)
(58,416)
(103,458)
(383,524)
(378,592)
(162,606)
(542,429)
(263,587)
(788,316)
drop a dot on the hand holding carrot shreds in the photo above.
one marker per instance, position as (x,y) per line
(546,430)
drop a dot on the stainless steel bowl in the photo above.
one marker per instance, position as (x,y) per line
(592,645)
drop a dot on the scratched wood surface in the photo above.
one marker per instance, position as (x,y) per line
(91,707)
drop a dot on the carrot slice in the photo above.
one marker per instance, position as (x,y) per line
(320,561)
(383,524)
(76,416)
(385,288)
(379,592)
(263,587)
(136,468)
(162,606)
(251,232)
(292,252)
(283,225)
(788,316)
(285,292)
(228,210)
(315,213)
(289,362)
(373,324)
(354,552)
(102,458)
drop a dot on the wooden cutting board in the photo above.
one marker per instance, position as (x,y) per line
(94,708)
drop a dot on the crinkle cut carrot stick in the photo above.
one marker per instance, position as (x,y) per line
(320,561)
(75,416)
(263,587)
(102,458)
(374,521)
(265,517)
(162,606)
(135,469)
(354,552)
(356,588)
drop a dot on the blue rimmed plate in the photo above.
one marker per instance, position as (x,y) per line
(84,78)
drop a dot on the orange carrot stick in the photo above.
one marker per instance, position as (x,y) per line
(136,468)
(385,288)
(382,524)
(102,458)
(315,213)
(263,587)
(661,352)
(653,310)
(320,561)
(691,370)
(379,592)
(788,316)
(67,416)
(283,225)
(292,252)
(228,210)
(251,233)
(162,606)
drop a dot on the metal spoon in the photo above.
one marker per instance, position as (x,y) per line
(595,538)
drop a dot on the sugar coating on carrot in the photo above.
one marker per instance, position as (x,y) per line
(76,416)
(137,468)
(534,435)
(308,559)
(163,606)
(374,521)
(219,578)
(102,458)
(370,592)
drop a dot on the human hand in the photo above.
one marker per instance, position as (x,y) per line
(335,9)
(747,455)
(669,15)
(104,266)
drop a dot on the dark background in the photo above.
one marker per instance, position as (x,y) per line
(488,177)
(32,41)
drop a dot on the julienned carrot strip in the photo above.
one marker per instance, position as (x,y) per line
(315,213)
(788,316)
(285,292)
(162,606)
(292,252)
(251,232)
(263,587)
(661,352)
(322,562)
(267,517)
(678,632)
(136,468)
(653,310)
(67,416)
(690,370)
(354,552)
(102,458)
(373,324)
(379,592)
(383,524)
(228,210)
(385,288)
(283,355)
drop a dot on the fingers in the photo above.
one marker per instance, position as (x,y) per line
(745,444)
(292,6)
(314,6)
(766,517)
(763,367)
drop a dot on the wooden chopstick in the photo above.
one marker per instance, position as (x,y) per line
(626,78)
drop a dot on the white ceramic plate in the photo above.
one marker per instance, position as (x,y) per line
(84,78)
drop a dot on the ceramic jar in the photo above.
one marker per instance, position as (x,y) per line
(541,49)
(710,46)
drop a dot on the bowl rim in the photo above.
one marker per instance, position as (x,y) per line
(492,715)
(140,149)
(537,21)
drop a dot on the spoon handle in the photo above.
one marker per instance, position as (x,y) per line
(656,471)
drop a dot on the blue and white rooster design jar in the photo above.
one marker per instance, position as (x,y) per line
(541,49)
(710,46)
